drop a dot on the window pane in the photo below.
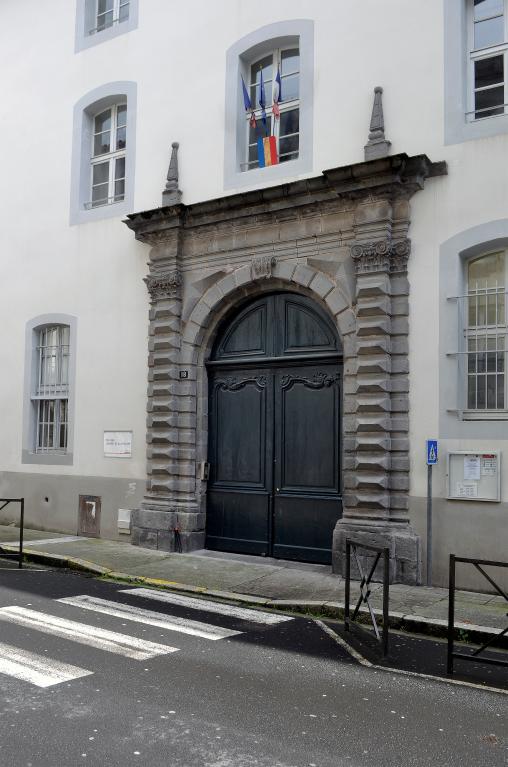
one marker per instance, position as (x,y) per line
(489,32)
(480,392)
(101,143)
(486,272)
(500,392)
(288,149)
(121,115)
(102,121)
(471,392)
(266,65)
(121,138)
(485,8)
(253,154)
(488,72)
(119,190)
(124,11)
(100,173)
(290,88)
(489,103)
(289,122)
(104,5)
(290,61)
(120,168)
(105,21)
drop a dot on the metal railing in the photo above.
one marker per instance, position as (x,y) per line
(473,656)
(8,554)
(365,591)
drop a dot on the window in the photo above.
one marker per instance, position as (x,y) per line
(51,393)
(485,332)
(109,143)
(287,46)
(109,12)
(48,424)
(103,153)
(286,127)
(100,20)
(488,58)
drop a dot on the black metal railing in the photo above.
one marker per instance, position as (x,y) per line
(475,655)
(365,591)
(8,554)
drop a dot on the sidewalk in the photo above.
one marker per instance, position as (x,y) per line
(258,581)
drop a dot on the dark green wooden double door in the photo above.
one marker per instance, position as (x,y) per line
(274,431)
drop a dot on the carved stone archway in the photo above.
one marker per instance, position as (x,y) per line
(342,239)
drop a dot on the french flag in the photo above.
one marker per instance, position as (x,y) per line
(277,95)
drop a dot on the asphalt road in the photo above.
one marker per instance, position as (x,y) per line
(182,686)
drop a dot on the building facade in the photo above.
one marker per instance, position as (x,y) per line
(296,229)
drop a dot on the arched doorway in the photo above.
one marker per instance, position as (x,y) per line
(275,393)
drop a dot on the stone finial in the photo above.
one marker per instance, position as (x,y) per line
(171,194)
(377,146)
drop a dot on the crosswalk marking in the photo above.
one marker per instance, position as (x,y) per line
(36,669)
(93,636)
(257,616)
(149,617)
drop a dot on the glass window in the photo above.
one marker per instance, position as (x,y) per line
(109,12)
(108,156)
(486,332)
(282,114)
(489,97)
(51,392)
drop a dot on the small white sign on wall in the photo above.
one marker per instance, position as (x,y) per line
(118,444)
(474,476)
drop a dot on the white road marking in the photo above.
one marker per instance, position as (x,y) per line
(92,636)
(36,669)
(27,543)
(258,616)
(149,617)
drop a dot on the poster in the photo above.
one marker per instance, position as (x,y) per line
(489,465)
(466,490)
(472,467)
(118,444)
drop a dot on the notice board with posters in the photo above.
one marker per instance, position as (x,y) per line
(474,476)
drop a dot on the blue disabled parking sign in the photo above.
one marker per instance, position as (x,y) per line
(431,452)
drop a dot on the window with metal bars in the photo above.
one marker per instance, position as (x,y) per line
(482,356)
(488,35)
(286,127)
(108,156)
(50,397)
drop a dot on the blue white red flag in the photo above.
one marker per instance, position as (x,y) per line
(262,99)
(248,105)
(277,94)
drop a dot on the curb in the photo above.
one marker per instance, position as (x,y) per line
(419,624)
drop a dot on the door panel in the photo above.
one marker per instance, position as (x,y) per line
(241,459)
(307,501)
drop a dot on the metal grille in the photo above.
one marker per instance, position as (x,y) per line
(482,347)
(52,389)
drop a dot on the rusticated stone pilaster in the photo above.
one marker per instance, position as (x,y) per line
(376,480)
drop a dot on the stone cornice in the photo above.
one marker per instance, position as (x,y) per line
(394,177)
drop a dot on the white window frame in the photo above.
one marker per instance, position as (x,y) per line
(54,389)
(110,158)
(467,331)
(284,106)
(52,395)
(291,33)
(117,5)
(87,33)
(85,110)
(477,54)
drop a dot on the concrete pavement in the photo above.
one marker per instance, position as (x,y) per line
(280,584)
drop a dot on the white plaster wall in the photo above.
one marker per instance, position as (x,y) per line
(177,58)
